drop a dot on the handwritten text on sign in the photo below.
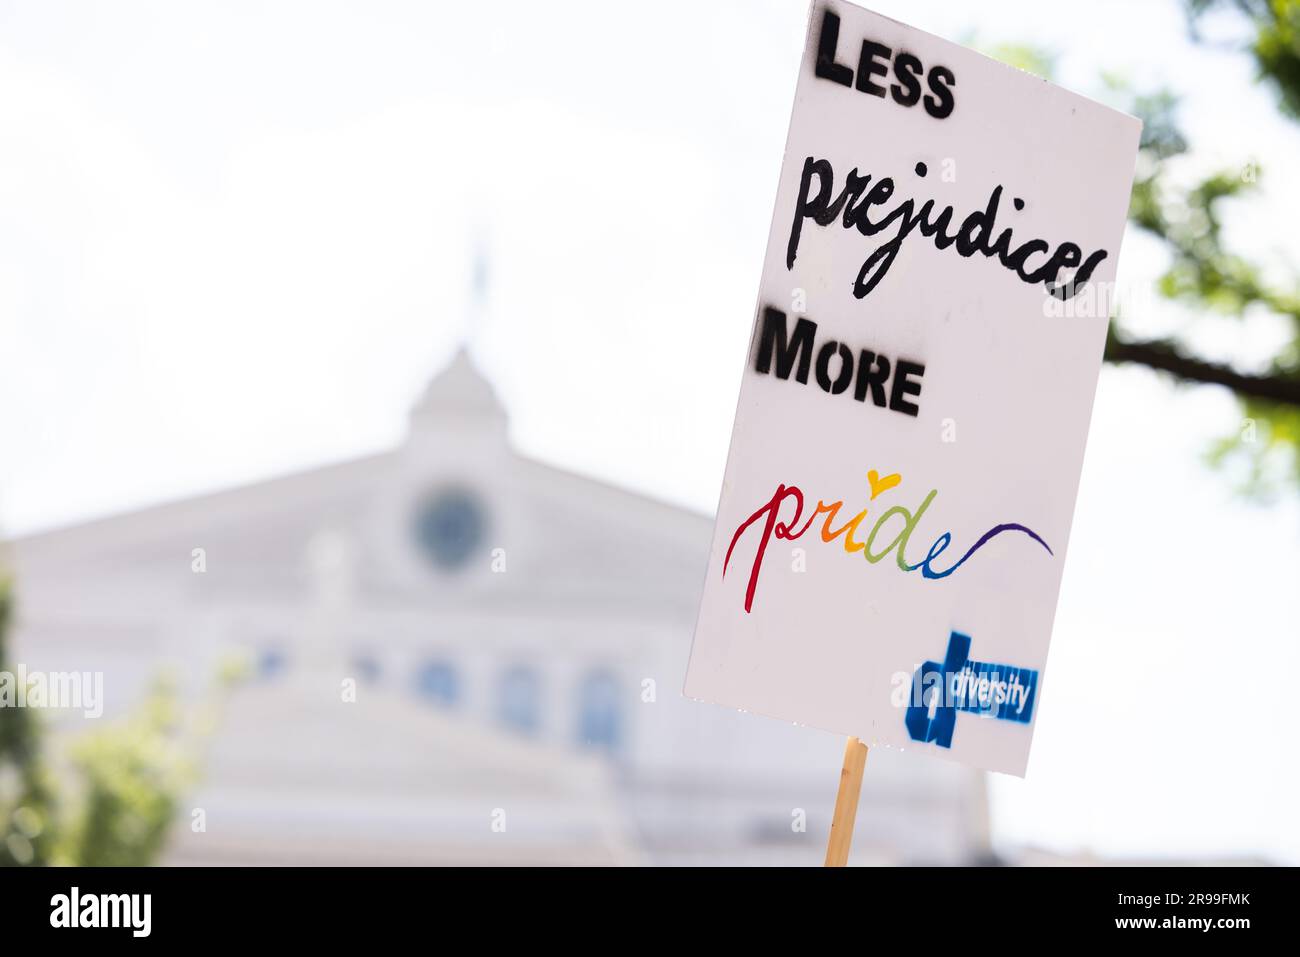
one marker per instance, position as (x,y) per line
(913,398)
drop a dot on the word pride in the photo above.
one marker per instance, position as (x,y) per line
(939,691)
(785,529)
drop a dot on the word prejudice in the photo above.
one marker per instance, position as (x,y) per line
(853,207)
(784,529)
(794,353)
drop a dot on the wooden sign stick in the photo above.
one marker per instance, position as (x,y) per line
(846,803)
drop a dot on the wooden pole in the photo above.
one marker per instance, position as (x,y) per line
(846,803)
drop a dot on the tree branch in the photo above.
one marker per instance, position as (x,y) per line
(1167,357)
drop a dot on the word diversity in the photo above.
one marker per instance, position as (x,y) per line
(941,689)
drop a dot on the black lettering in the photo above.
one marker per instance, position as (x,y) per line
(905,385)
(967,244)
(787,350)
(805,207)
(938,228)
(1066,255)
(860,196)
(1017,259)
(857,215)
(1070,289)
(872,378)
(869,66)
(827,42)
(908,88)
(939,105)
(824,355)
(1000,247)
(854,184)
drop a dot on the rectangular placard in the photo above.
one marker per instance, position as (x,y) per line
(929,330)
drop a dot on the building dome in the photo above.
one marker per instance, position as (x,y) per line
(460,392)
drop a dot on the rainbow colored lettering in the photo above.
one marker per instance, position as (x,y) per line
(783,529)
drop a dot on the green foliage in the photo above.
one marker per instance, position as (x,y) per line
(1205,274)
(1161,137)
(28,826)
(1210,278)
(1022,56)
(1275,43)
(116,802)
(132,776)
(1276,436)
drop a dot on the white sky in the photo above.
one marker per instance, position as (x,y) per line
(235,240)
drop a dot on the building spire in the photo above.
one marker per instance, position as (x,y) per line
(479,292)
(459,392)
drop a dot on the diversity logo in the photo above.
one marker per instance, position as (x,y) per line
(990,690)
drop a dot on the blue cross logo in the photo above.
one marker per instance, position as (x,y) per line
(990,690)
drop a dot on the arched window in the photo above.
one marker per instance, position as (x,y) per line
(600,717)
(450,527)
(519,700)
(437,681)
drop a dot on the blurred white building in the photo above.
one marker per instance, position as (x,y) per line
(517,636)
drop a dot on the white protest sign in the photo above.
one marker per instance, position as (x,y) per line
(894,517)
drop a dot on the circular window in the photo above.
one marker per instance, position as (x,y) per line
(449,527)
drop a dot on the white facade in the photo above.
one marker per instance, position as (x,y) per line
(518,636)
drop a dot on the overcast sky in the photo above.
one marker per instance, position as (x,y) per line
(237,239)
